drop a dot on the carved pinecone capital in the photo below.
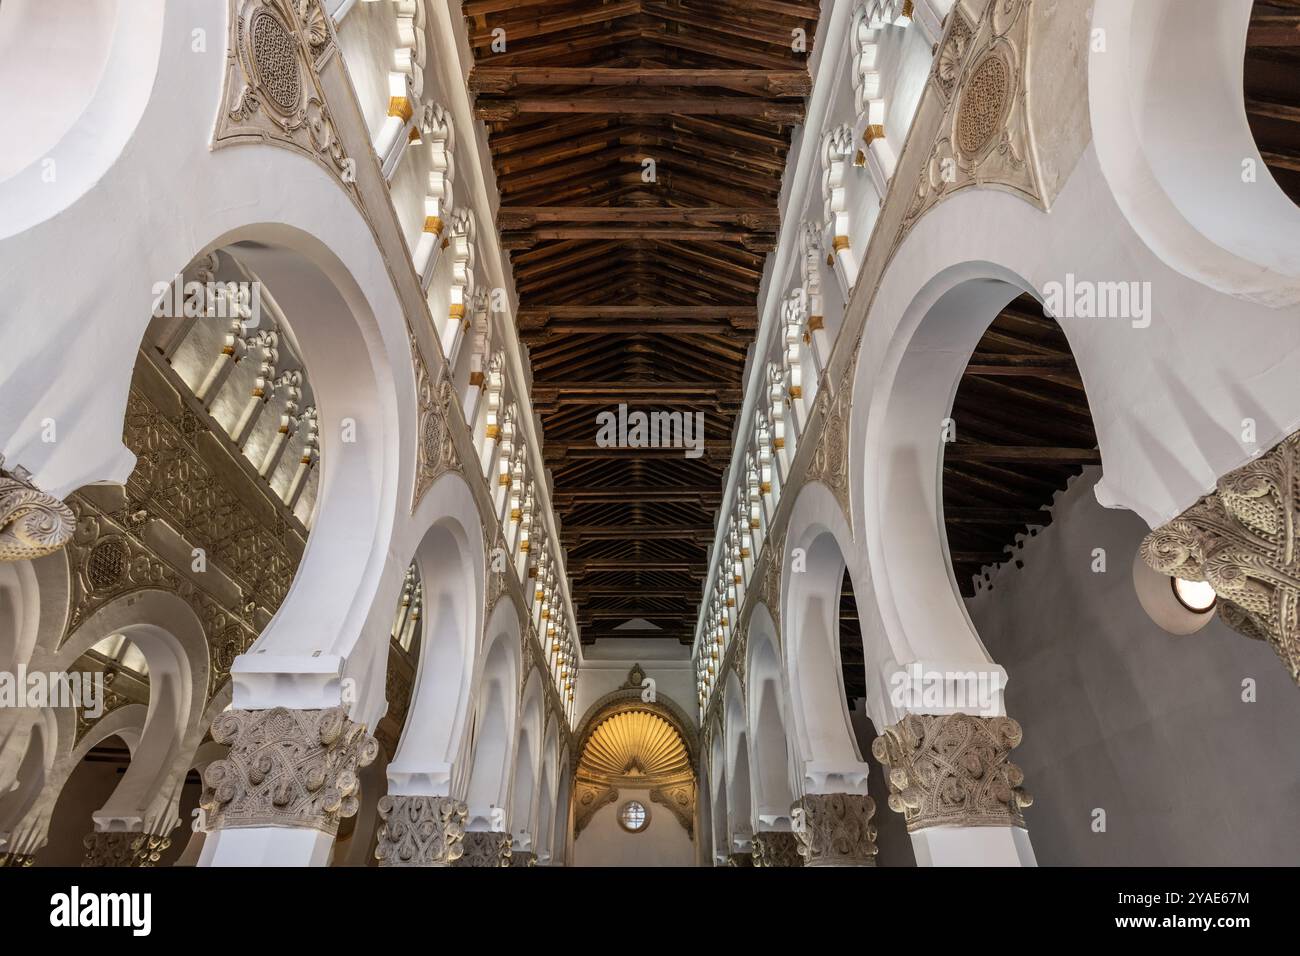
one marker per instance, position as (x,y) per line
(776,848)
(953,770)
(288,768)
(1242,540)
(484,848)
(124,849)
(523,858)
(420,831)
(836,830)
(32,523)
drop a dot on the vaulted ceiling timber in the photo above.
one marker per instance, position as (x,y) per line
(639,147)
(1272,78)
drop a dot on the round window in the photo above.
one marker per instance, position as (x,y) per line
(633,816)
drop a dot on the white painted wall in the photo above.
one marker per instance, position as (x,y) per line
(1120,715)
(603,842)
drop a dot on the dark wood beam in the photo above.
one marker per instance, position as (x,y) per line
(528,238)
(1021,453)
(502,80)
(589,565)
(956,514)
(1279,31)
(633,495)
(1033,366)
(636,328)
(620,531)
(524,217)
(504,110)
(979,557)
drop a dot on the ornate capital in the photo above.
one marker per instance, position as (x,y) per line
(288,768)
(836,830)
(523,858)
(953,770)
(1242,540)
(420,831)
(485,848)
(741,860)
(32,523)
(17,859)
(776,848)
(124,849)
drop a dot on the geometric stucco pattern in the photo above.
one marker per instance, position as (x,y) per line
(953,770)
(1242,540)
(293,768)
(435,449)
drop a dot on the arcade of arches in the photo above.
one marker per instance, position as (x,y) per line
(649,432)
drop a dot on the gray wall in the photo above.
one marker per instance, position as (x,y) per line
(1118,714)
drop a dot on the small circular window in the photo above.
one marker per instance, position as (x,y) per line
(1196,596)
(633,816)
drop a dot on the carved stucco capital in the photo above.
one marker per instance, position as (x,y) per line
(290,768)
(953,770)
(17,859)
(740,860)
(523,858)
(32,523)
(124,849)
(835,829)
(486,848)
(420,831)
(1242,540)
(776,848)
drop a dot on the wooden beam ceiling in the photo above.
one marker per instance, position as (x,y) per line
(638,282)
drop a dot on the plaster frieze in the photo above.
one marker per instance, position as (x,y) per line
(32,523)
(290,768)
(953,770)
(1241,539)
(420,831)
(124,849)
(835,829)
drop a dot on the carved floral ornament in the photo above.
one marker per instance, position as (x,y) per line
(985,136)
(836,830)
(272,93)
(32,523)
(435,449)
(1241,539)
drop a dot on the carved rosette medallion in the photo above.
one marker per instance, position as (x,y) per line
(272,92)
(484,848)
(124,849)
(435,449)
(289,768)
(836,830)
(1242,540)
(420,831)
(776,848)
(985,138)
(32,523)
(953,770)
